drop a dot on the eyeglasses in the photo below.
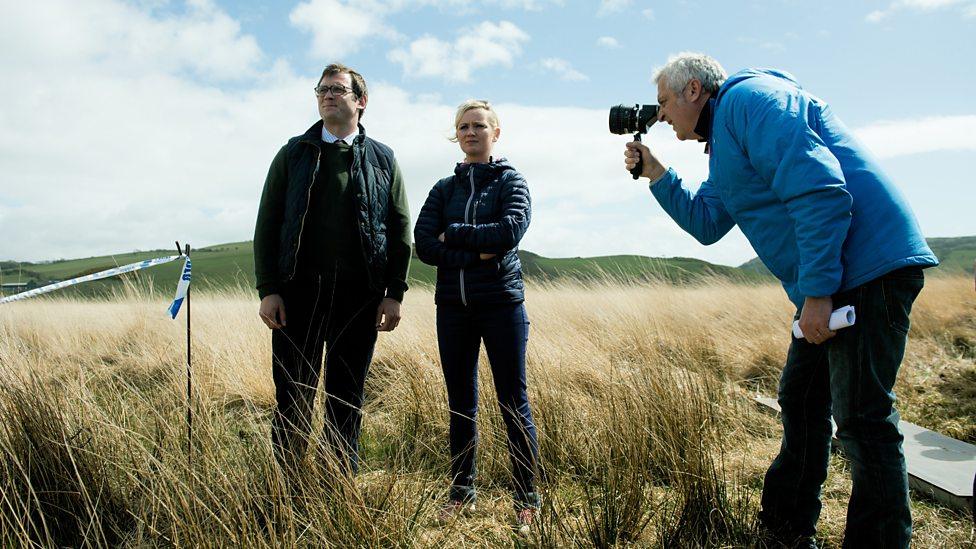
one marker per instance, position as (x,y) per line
(337,90)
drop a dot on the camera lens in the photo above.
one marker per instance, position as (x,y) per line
(623,119)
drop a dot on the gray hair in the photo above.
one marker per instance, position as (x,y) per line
(687,66)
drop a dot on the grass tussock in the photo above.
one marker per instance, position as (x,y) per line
(641,395)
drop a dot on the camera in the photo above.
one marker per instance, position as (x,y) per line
(637,120)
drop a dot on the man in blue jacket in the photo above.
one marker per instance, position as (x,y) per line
(827,221)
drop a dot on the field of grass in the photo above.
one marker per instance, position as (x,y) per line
(641,392)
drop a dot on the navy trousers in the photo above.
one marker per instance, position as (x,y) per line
(340,319)
(505,331)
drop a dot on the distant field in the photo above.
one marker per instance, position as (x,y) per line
(232,266)
(956,256)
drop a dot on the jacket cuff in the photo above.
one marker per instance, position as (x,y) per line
(268,288)
(669,175)
(395,294)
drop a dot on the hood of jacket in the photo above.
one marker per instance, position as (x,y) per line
(746,74)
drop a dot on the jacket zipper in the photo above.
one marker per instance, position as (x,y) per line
(308,202)
(464,298)
(357,162)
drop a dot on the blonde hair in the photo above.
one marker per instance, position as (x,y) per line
(472,104)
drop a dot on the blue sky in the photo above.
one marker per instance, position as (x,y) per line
(127,125)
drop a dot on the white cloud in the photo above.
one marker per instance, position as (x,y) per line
(202,40)
(608,42)
(608,7)
(876,16)
(968,8)
(343,27)
(527,5)
(339,28)
(466,6)
(485,45)
(563,69)
(769,45)
(648,13)
(892,138)
(930,4)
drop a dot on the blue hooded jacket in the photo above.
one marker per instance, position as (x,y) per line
(813,202)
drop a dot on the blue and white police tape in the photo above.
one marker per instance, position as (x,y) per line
(95,276)
(181,289)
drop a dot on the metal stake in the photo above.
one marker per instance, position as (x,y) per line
(189,374)
(189,380)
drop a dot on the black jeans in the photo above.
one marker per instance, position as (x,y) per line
(341,317)
(505,331)
(850,376)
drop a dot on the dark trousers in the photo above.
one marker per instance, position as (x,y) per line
(505,331)
(342,318)
(850,376)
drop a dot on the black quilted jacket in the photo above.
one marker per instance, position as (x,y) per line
(482,208)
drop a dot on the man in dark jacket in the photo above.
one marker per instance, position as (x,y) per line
(331,253)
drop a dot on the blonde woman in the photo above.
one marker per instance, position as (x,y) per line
(470,228)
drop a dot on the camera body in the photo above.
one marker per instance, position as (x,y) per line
(637,120)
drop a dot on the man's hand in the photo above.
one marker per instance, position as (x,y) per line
(387,315)
(272,311)
(484,256)
(636,151)
(814,318)
(441,237)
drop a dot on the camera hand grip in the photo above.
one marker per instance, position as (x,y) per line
(639,167)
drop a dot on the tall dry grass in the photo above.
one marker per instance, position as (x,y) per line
(641,394)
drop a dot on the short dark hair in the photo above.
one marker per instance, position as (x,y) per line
(358,82)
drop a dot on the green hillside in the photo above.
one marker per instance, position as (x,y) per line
(956,256)
(214,266)
(628,268)
(232,264)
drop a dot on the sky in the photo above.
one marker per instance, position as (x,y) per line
(129,125)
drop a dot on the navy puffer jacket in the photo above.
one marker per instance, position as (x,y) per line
(482,208)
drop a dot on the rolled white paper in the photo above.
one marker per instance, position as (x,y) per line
(841,318)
